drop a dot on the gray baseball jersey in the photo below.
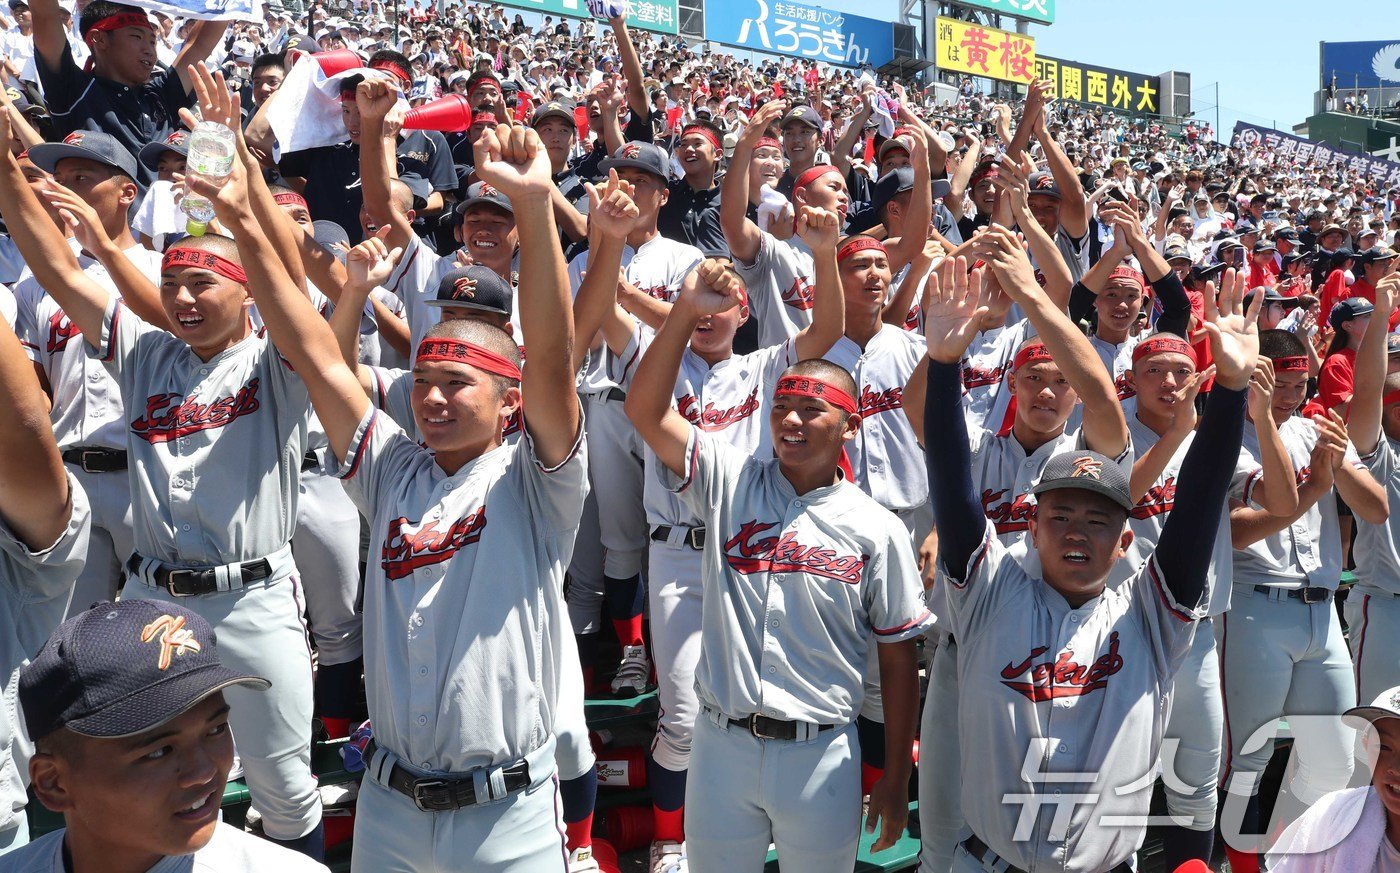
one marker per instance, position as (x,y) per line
(36,589)
(87,404)
(8,309)
(468,586)
(214,448)
(885,456)
(796,587)
(986,393)
(1048,689)
(1307,553)
(781,288)
(229,851)
(414,281)
(1376,550)
(1150,513)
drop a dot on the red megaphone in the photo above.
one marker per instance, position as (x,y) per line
(449,113)
(1193,866)
(338,61)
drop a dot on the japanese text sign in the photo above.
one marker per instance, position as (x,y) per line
(969,48)
(800,31)
(1101,86)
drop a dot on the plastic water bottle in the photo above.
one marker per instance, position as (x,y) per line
(211,155)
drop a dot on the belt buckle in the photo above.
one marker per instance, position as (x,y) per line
(695,538)
(1310,598)
(421,788)
(753,729)
(173,579)
(83,461)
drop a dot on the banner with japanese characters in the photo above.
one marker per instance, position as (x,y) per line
(234,10)
(1305,152)
(1101,86)
(969,48)
(800,31)
(660,16)
(1042,11)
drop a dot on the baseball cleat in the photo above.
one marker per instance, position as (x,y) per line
(634,671)
(581,860)
(667,858)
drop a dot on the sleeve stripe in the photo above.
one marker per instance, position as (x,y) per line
(976,560)
(913,622)
(693,450)
(110,352)
(1252,481)
(403,270)
(573,450)
(360,446)
(1165,594)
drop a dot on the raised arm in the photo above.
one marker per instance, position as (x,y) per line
(1074,211)
(34,499)
(50,36)
(1014,182)
(820,230)
(1149,466)
(376,99)
(513,160)
(1105,429)
(841,153)
(612,215)
(196,50)
(957,184)
(1367,406)
(711,288)
(1276,492)
(741,234)
(920,216)
(631,67)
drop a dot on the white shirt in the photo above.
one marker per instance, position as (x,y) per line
(230,851)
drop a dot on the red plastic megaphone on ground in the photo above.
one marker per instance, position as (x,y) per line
(338,61)
(449,113)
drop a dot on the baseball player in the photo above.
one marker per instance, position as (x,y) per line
(801,572)
(725,395)
(653,268)
(473,536)
(1281,646)
(216,432)
(126,704)
(1373,616)
(44,524)
(1161,417)
(1065,684)
(1055,198)
(777,273)
(1050,375)
(87,410)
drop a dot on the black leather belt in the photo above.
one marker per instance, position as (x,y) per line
(694,537)
(1307,595)
(96,460)
(979,850)
(310,461)
(615,394)
(766,728)
(187,582)
(445,793)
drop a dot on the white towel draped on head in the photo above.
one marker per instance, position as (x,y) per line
(1341,833)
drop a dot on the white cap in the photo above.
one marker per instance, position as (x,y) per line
(1387,705)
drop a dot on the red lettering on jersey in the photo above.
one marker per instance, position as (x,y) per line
(409,547)
(747,552)
(1158,500)
(872,402)
(1304,474)
(659,292)
(800,295)
(1063,677)
(61,330)
(1008,516)
(711,419)
(512,425)
(980,377)
(169,417)
(1124,386)
(911,321)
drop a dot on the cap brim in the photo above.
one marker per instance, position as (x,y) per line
(1368,714)
(47,155)
(628,164)
(158,704)
(457,304)
(478,201)
(150,153)
(1084,483)
(553,113)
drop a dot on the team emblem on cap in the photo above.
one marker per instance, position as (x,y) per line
(488,191)
(1395,700)
(176,138)
(1044,182)
(74,138)
(1087,468)
(631,150)
(464,288)
(173,636)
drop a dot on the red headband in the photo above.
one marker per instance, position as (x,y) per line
(768,142)
(1129,274)
(812,175)
(1392,397)
(1291,364)
(1030,354)
(859,244)
(180,257)
(455,351)
(290,198)
(117,22)
(486,84)
(807,386)
(392,69)
(704,131)
(1163,344)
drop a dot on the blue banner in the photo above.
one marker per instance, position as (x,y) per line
(1361,64)
(800,31)
(237,10)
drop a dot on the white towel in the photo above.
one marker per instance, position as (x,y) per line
(1341,833)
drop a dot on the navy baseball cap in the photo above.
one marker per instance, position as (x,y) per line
(803,114)
(1346,310)
(896,182)
(1044,183)
(1392,344)
(91,145)
(474,287)
(1176,252)
(1375,255)
(479,193)
(1086,471)
(121,669)
(1287,233)
(553,109)
(639,156)
(1205,274)
(177,142)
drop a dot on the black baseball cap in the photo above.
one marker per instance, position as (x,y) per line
(474,287)
(177,142)
(1287,233)
(553,109)
(1264,246)
(1205,274)
(1295,256)
(1346,310)
(121,669)
(1087,471)
(1044,183)
(1392,344)
(328,234)
(479,193)
(896,182)
(92,145)
(804,114)
(1176,252)
(639,156)
(1375,255)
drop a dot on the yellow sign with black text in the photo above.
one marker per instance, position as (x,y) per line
(965,47)
(1101,86)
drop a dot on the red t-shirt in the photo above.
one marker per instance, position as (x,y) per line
(1335,379)
(1365,290)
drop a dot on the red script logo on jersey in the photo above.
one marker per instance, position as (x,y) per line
(410,547)
(748,552)
(712,419)
(164,422)
(872,402)
(800,295)
(1158,500)
(1008,516)
(61,330)
(1062,677)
